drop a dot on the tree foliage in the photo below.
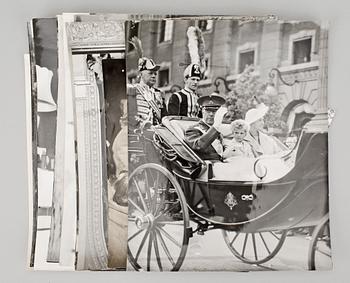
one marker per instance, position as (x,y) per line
(247,92)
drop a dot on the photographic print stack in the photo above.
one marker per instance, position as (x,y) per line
(177,143)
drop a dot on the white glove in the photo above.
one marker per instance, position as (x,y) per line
(219,115)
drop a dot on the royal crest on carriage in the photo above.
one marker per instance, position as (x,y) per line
(230,200)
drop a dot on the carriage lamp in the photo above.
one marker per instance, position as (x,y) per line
(270,90)
(221,81)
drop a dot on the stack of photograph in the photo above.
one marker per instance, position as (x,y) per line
(177,143)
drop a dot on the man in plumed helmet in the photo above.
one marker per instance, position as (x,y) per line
(184,102)
(204,137)
(148,103)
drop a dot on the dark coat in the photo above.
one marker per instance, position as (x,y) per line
(200,138)
(179,103)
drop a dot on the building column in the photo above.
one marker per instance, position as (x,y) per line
(271,48)
(320,121)
(323,75)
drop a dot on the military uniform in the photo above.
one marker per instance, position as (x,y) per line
(145,103)
(206,141)
(185,102)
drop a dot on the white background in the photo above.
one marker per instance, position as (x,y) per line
(13,185)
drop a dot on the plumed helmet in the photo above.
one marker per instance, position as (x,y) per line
(147,64)
(193,70)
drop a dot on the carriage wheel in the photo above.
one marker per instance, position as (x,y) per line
(158,226)
(320,246)
(254,248)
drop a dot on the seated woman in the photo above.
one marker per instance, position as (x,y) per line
(238,146)
(261,142)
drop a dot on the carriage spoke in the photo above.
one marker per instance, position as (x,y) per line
(153,200)
(165,248)
(157,202)
(245,244)
(161,201)
(168,209)
(273,234)
(156,186)
(254,246)
(166,234)
(141,245)
(263,240)
(149,251)
(136,206)
(141,196)
(160,205)
(156,183)
(135,235)
(234,239)
(320,253)
(249,250)
(323,253)
(156,249)
(148,191)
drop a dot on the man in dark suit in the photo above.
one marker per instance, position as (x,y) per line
(184,102)
(204,137)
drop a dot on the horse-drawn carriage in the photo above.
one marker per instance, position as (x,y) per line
(254,201)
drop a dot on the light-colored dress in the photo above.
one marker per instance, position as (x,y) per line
(235,148)
(265,144)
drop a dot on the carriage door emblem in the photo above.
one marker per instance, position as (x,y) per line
(230,201)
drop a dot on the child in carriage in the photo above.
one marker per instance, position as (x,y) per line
(238,146)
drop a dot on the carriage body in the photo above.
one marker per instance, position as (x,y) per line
(296,199)
(202,192)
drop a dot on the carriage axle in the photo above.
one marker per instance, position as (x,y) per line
(143,222)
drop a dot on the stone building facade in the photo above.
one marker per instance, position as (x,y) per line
(293,48)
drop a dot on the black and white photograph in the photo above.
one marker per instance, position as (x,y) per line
(96,53)
(44,75)
(228,144)
(78,102)
(194,141)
